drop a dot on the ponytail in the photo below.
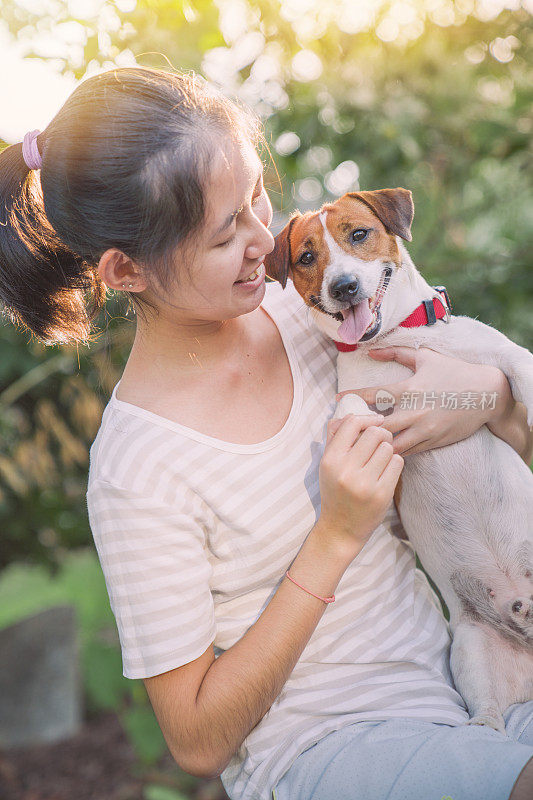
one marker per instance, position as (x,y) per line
(43,284)
(124,164)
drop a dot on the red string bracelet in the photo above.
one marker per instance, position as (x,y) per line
(325,599)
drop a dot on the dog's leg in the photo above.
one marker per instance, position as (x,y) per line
(470,665)
(351,374)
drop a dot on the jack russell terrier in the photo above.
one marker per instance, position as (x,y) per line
(467,508)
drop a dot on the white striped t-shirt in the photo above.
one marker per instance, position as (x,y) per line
(194,535)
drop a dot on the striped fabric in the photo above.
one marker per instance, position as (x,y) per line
(194,535)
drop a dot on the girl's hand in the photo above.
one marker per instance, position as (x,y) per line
(358,473)
(448,391)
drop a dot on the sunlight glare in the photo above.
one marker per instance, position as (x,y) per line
(388,30)
(403,13)
(353,18)
(32,95)
(287,143)
(306,66)
(309,189)
(292,10)
(343,179)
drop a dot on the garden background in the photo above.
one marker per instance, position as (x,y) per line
(434,96)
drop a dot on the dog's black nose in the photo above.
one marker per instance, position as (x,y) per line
(344,288)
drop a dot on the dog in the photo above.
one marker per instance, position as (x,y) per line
(467,508)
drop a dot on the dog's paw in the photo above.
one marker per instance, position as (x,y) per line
(352,404)
(492,720)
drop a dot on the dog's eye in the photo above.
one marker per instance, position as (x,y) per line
(359,235)
(306,258)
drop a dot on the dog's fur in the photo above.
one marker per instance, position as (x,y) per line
(467,508)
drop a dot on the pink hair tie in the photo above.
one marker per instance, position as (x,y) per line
(325,599)
(30,151)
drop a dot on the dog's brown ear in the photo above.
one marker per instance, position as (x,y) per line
(278,262)
(394,207)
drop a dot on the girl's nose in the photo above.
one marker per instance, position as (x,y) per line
(261,242)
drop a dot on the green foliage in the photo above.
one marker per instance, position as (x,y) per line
(153,792)
(144,733)
(26,589)
(104,683)
(50,411)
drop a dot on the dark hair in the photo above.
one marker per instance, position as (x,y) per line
(124,163)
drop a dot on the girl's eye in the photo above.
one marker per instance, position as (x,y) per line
(306,258)
(359,235)
(228,241)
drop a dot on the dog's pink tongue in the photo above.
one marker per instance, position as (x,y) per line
(356,321)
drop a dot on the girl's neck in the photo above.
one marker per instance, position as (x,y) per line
(162,346)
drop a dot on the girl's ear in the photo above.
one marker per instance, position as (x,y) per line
(278,262)
(115,268)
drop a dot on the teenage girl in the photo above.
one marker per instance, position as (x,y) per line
(217,466)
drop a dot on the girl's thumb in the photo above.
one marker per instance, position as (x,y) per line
(333,426)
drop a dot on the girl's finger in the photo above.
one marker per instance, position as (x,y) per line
(369,393)
(346,430)
(333,424)
(365,447)
(406,443)
(378,461)
(400,420)
(403,355)
(389,476)
(332,427)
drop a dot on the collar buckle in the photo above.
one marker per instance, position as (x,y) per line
(445,302)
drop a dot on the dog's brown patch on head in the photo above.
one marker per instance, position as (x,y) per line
(347,215)
(278,262)
(307,243)
(394,207)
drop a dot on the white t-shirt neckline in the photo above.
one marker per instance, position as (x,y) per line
(220,444)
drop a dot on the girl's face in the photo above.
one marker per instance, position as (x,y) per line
(233,242)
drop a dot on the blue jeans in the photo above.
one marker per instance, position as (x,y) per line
(403,759)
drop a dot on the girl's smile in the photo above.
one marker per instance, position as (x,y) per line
(254,280)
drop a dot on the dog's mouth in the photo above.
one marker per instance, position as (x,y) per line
(361,321)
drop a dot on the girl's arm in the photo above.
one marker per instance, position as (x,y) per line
(206,708)
(512,426)
(448,399)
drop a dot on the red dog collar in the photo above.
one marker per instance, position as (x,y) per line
(427,313)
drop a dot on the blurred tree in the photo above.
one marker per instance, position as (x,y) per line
(435,97)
